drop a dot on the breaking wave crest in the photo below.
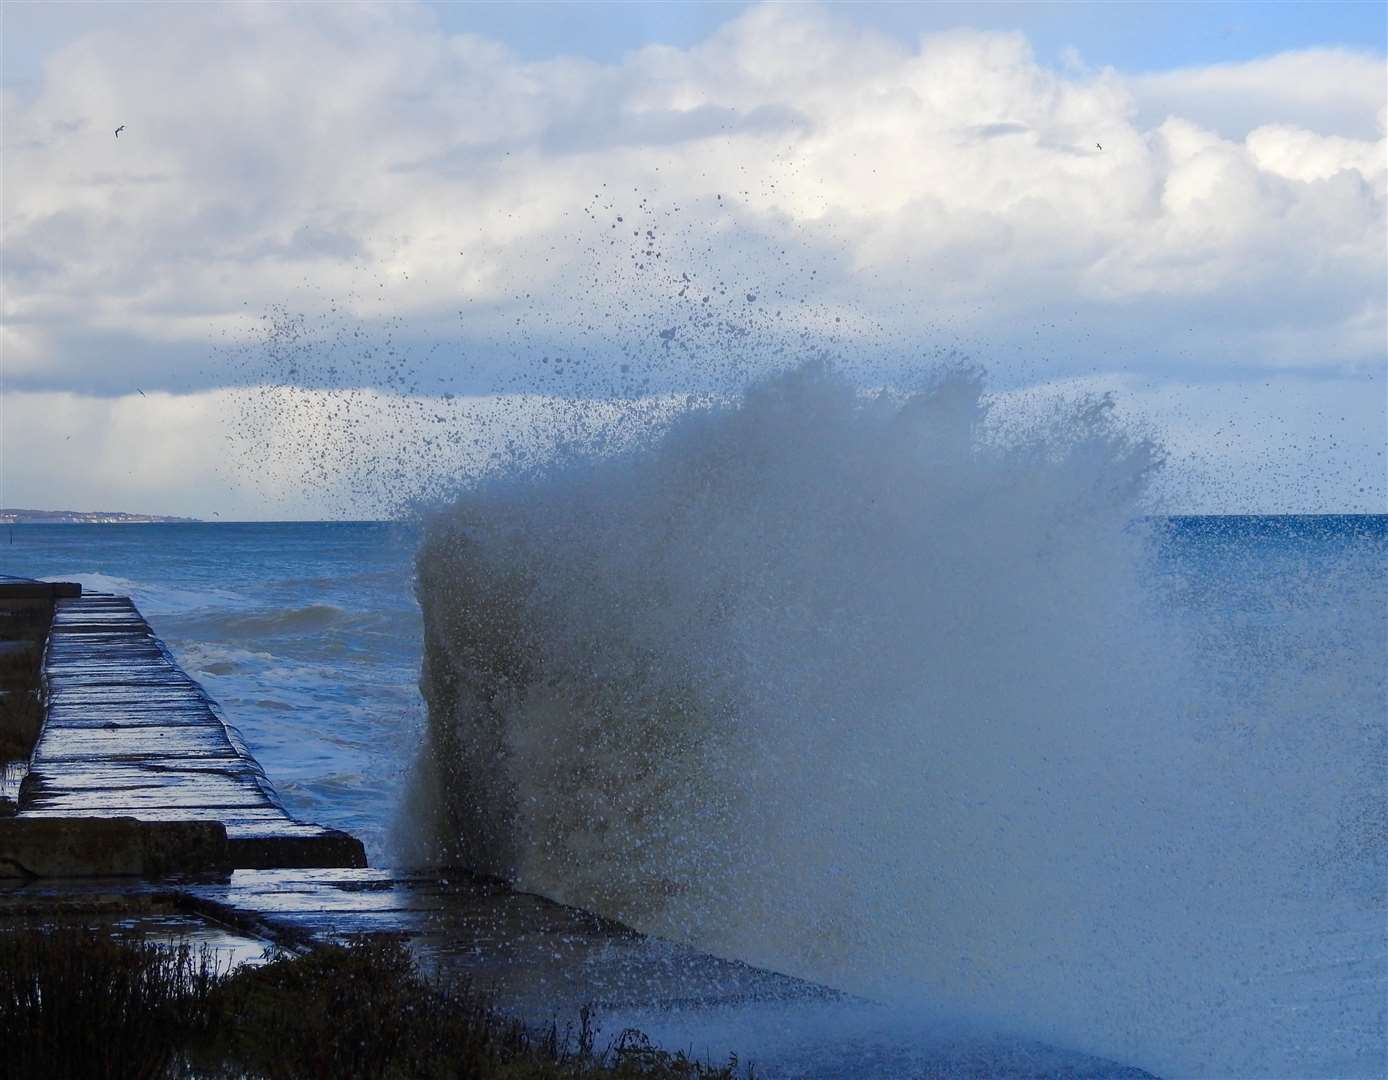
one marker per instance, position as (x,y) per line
(887,690)
(300,619)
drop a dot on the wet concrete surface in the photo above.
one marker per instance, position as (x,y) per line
(537,956)
(124,907)
(128,734)
(544,962)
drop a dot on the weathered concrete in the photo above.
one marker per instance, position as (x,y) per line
(544,961)
(28,589)
(128,734)
(121,907)
(58,847)
(537,955)
(26,610)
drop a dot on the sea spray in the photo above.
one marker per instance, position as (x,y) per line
(889,690)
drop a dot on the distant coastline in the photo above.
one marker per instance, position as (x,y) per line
(15,516)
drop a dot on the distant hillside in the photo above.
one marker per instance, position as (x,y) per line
(15,516)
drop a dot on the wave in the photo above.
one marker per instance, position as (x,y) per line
(155,598)
(882,689)
(327,625)
(303,619)
(201,658)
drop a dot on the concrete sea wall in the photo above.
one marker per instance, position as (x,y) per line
(129,805)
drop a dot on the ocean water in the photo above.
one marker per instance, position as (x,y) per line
(861,689)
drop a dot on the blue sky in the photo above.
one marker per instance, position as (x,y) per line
(1182,204)
(1137,36)
(1131,36)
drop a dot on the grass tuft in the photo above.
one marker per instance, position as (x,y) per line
(76,1003)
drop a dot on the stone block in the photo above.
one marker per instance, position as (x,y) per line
(109,847)
(314,847)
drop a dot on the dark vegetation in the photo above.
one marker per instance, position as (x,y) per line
(76,1003)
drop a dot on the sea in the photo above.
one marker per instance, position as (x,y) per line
(951,730)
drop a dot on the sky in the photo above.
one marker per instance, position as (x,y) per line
(332,234)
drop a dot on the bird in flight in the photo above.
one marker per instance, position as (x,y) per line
(119,130)
(139,391)
(1100,147)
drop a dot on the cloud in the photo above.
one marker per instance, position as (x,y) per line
(995,131)
(588,134)
(1331,90)
(454,202)
(139,454)
(278,452)
(1297,154)
(259,453)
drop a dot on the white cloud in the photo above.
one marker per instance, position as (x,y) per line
(1335,91)
(1275,446)
(281,452)
(153,454)
(1298,154)
(1232,226)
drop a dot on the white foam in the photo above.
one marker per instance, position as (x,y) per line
(880,690)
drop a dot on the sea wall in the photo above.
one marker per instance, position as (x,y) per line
(143,814)
(26,614)
(125,735)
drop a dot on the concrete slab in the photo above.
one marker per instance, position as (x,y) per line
(223,795)
(111,740)
(127,732)
(174,712)
(113,772)
(243,821)
(154,675)
(544,961)
(122,907)
(539,956)
(123,651)
(12,588)
(120,696)
(35,847)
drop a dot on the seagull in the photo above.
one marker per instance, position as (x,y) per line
(119,130)
(139,391)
